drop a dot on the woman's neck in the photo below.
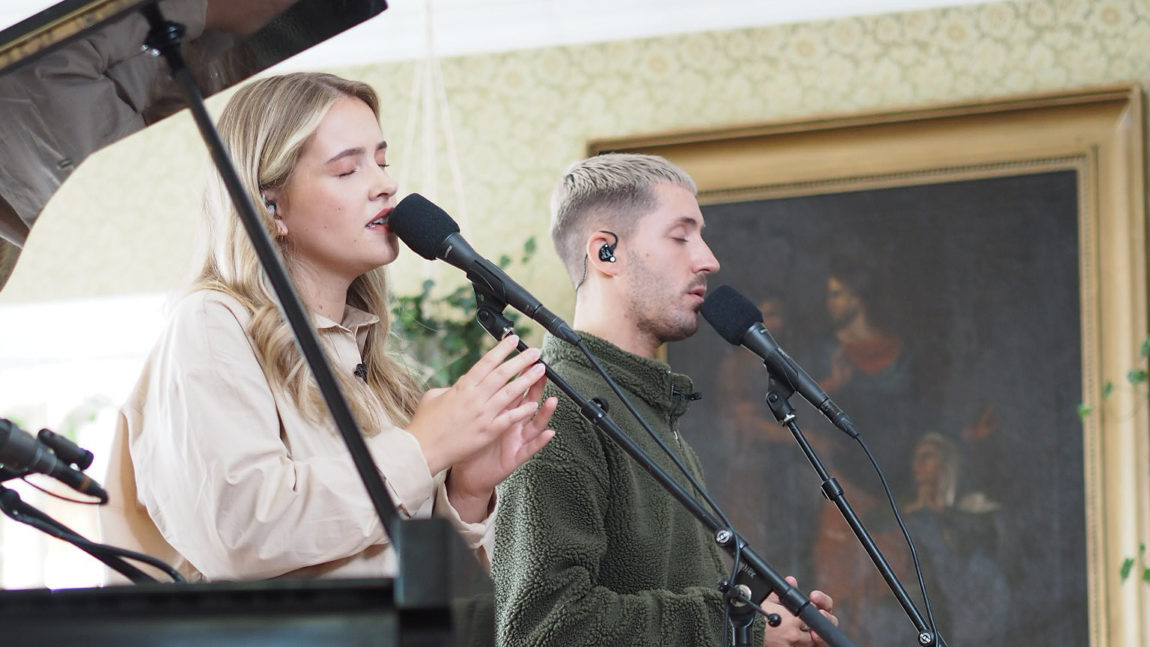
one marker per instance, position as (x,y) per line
(322,295)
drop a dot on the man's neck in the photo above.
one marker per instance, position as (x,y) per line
(618,329)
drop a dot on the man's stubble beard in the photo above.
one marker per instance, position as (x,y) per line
(650,311)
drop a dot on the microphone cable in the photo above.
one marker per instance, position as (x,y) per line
(112,556)
(659,441)
(906,535)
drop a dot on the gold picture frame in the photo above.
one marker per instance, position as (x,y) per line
(1096,133)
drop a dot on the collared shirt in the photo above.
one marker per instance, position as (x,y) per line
(214,471)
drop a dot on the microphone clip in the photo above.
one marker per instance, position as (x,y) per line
(489,313)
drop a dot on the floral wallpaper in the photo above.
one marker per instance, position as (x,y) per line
(123,223)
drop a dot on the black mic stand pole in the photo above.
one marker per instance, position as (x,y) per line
(164,39)
(778,399)
(490,316)
(12,505)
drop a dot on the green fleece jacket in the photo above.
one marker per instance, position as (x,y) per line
(589,548)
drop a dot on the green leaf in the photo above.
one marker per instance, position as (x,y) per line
(1146,574)
(1136,375)
(504,261)
(440,332)
(1083,411)
(1108,389)
(1146,347)
(1127,566)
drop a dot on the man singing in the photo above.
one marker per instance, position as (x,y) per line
(590,550)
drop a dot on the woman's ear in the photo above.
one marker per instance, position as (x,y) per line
(270,203)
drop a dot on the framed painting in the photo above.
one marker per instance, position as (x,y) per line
(969,283)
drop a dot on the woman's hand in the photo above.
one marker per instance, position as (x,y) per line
(454,423)
(471,482)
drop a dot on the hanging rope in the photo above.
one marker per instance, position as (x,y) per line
(429,118)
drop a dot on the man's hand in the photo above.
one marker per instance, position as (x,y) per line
(793,632)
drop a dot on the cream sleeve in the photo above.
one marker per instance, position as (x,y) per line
(217,472)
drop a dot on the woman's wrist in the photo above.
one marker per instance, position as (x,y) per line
(431,453)
(472,505)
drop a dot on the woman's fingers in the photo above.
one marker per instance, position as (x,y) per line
(532,428)
(545,412)
(516,388)
(532,446)
(513,416)
(488,363)
(505,372)
(535,393)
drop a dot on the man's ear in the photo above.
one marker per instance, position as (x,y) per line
(601,252)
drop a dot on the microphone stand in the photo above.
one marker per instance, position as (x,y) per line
(12,505)
(164,39)
(778,396)
(490,316)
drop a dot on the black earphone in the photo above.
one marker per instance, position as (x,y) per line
(607,251)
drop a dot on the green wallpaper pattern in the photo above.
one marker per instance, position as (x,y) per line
(124,222)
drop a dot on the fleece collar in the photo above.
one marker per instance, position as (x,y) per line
(650,379)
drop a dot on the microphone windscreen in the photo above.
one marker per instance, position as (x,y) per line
(730,313)
(421,225)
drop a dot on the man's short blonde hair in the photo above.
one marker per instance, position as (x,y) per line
(611,191)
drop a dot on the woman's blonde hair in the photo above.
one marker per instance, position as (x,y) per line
(265,126)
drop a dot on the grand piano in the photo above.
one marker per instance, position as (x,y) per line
(76,78)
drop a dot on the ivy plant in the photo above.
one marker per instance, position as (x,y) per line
(1138,378)
(440,332)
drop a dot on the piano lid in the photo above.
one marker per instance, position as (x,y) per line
(75,78)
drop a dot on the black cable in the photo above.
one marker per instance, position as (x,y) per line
(95,550)
(906,535)
(56,495)
(109,555)
(659,441)
(731,583)
(490,316)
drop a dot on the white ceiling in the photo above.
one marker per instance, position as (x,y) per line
(473,26)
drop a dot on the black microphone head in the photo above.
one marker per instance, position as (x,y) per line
(730,313)
(421,225)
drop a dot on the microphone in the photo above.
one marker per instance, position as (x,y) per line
(22,453)
(431,233)
(738,321)
(66,449)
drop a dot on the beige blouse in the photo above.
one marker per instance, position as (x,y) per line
(219,475)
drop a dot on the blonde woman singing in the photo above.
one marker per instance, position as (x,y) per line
(226,462)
